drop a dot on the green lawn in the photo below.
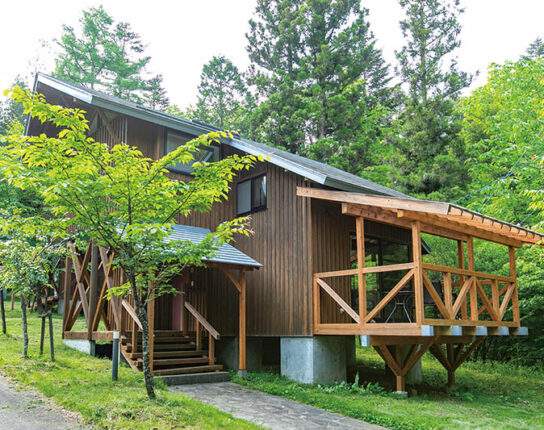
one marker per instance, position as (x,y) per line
(487,396)
(83,383)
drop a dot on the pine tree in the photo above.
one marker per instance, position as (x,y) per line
(108,56)
(535,49)
(431,156)
(307,58)
(223,96)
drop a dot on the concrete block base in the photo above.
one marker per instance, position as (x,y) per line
(195,378)
(314,359)
(86,346)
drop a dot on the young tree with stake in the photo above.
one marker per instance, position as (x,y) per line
(123,201)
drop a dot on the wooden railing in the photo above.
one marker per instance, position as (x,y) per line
(464,302)
(213,335)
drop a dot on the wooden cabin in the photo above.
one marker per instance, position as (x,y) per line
(334,256)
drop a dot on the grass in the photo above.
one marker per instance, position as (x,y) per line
(487,396)
(83,384)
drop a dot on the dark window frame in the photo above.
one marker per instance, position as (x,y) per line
(252,208)
(173,168)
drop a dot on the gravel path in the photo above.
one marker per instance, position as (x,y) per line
(267,410)
(25,410)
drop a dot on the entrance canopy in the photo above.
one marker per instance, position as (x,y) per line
(438,218)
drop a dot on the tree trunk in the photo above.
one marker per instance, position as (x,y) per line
(51,338)
(142,315)
(3,312)
(25,327)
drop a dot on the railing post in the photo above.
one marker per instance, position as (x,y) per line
(361,278)
(151,324)
(461,261)
(198,337)
(211,349)
(474,309)
(418,272)
(515,299)
(242,326)
(316,302)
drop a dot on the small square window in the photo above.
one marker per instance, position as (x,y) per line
(175,140)
(251,195)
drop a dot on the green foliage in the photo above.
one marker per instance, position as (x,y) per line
(487,395)
(316,71)
(431,156)
(83,384)
(108,56)
(121,200)
(11,114)
(223,97)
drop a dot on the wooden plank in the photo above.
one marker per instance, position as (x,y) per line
(461,228)
(338,300)
(495,298)
(242,323)
(151,326)
(461,298)
(389,296)
(418,272)
(67,293)
(389,360)
(413,358)
(487,304)
(132,313)
(202,320)
(504,305)
(445,269)
(372,200)
(366,270)
(211,349)
(436,297)
(389,329)
(472,291)
(461,264)
(389,217)
(448,294)
(467,323)
(105,336)
(515,298)
(361,280)
(411,340)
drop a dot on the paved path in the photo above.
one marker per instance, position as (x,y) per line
(267,410)
(24,410)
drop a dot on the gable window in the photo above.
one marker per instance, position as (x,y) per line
(174,140)
(251,195)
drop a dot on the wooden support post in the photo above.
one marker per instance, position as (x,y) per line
(515,299)
(151,323)
(316,303)
(474,308)
(451,370)
(211,350)
(418,272)
(93,291)
(134,336)
(183,312)
(461,261)
(12,301)
(198,335)
(361,278)
(67,293)
(242,325)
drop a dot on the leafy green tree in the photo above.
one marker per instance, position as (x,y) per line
(121,200)
(11,114)
(503,130)
(431,157)
(108,56)
(309,60)
(223,97)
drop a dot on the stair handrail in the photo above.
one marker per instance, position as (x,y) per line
(202,321)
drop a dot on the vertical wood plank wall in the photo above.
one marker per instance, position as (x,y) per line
(293,238)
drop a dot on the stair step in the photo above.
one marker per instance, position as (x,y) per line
(169,354)
(164,347)
(182,370)
(173,361)
(170,339)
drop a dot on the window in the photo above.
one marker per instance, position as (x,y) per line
(175,140)
(251,195)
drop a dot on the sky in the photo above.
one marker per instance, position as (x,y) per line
(182,35)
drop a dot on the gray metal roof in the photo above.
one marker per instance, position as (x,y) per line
(225,254)
(314,170)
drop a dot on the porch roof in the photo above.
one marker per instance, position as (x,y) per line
(225,254)
(440,218)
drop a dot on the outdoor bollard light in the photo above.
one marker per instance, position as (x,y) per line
(115,355)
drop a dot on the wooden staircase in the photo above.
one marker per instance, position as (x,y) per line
(173,353)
